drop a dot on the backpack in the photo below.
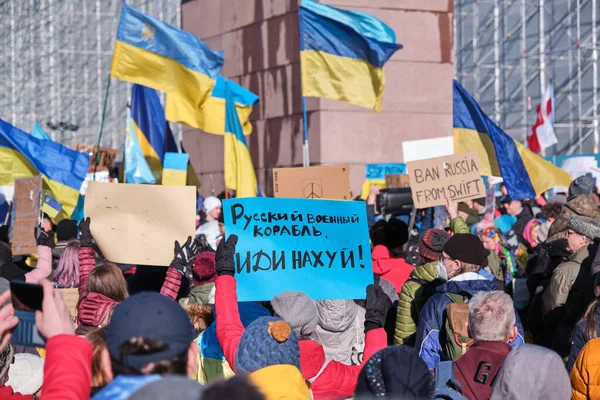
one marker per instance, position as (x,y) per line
(446,387)
(454,339)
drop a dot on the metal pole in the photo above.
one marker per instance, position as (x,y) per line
(542,57)
(497,61)
(595,72)
(13,63)
(101,128)
(305,152)
(475,42)
(570,69)
(524,66)
(579,98)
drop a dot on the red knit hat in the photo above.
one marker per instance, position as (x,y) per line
(204,269)
(432,244)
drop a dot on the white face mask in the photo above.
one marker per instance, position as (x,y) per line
(441,271)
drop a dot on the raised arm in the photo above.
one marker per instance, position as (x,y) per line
(180,266)
(87,261)
(43,269)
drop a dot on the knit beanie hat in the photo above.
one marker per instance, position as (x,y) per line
(463,207)
(66,230)
(582,185)
(210,203)
(466,248)
(395,372)
(518,380)
(585,226)
(298,310)
(204,269)
(267,341)
(432,244)
(26,373)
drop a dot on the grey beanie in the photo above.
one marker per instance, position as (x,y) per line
(585,226)
(170,387)
(548,380)
(298,310)
(582,185)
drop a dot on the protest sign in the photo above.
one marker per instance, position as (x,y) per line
(318,247)
(70,298)
(326,182)
(106,159)
(414,150)
(138,224)
(25,215)
(397,181)
(379,171)
(434,180)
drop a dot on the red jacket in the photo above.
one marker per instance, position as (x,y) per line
(477,368)
(395,270)
(6,392)
(336,381)
(67,369)
(93,307)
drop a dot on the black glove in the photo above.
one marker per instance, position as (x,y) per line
(224,256)
(203,242)
(184,256)
(44,238)
(85,238)
(378,305)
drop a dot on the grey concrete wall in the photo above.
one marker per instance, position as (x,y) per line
(260,41)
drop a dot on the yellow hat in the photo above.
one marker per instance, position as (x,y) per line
(281,382)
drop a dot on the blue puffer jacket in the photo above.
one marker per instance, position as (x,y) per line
(433,315)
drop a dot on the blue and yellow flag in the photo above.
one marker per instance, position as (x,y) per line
(525,174)
(63,169)
(136,167)
(39,133)
(175,169)
(210,116)
(51,206)
(239,170)
(154,54)
(342,54)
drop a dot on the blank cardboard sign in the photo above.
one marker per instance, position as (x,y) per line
(326,182)
(434,180)
(138,224)
(26,214)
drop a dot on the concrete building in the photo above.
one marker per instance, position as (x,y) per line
(260,41)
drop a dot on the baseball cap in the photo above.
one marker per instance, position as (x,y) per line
(150,316)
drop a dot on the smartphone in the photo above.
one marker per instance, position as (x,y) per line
(26,298)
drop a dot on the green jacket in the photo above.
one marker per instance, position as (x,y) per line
(412,296)
(198,295)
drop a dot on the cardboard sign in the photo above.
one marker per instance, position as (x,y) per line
(25,215)
(71,298)
(107,158)
(318,247)
(414,150)
(326,182)
(397,181)
(379,171)
(138,224)
(434,180)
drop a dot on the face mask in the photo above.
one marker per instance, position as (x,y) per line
(441,271)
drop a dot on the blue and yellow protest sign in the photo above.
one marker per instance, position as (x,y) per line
(319,247)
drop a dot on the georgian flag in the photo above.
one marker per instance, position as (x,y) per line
(542,132)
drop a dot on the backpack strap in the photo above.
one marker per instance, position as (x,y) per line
(420,281)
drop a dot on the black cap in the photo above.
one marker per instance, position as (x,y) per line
(466,248)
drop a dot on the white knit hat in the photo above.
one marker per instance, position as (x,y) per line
(210,203)
(26,374)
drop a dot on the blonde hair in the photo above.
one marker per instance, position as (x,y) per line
(98,342)
(491,316)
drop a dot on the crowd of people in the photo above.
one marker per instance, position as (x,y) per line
(491,298)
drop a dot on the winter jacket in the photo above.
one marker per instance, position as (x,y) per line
(584,205)
(585,375)
(568,295)
(543,261)
(198,295)
(394,270)
(413,294)
(477,368)
(341,330)
(94,307)
(523,219)
(580,339)
(43,269)
(6,392)
(433,315)
(335,380)
(67,368)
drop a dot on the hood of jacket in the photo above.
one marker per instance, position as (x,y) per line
(93,309)
(337,315)
(382,262)
(426,272)
(468,282)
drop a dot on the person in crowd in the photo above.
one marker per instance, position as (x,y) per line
(523,212)
(585,372)
(571,287)
(549,213)
(26,374)
(210,225)
(329,379)
(395,372)
(588,328)
(506,262)
(204,274)
(517,380)
(98,341)
(491,325)
(531,232)
(67,272)
(583,205)
(581,185)
(388,239)
(148,334)
(463,257)
(66,231)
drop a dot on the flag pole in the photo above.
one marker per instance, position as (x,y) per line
(101,128)
(305,152)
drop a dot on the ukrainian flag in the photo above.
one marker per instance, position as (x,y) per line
(22,155)
(175,169)
(210,116)
(150,126)
(51,206)
(342,54)
(154,54)
(239,171)
(525,174)
(136,167)
(39,133)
